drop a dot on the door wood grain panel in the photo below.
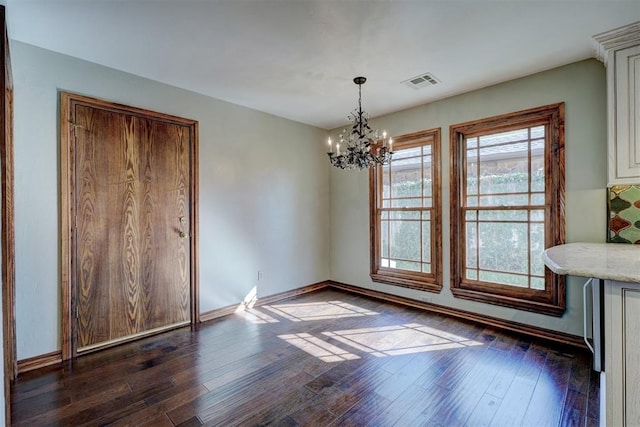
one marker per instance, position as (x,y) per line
(133,223)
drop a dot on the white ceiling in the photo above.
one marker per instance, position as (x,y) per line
(297,58)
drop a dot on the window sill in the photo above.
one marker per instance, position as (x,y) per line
(405,282)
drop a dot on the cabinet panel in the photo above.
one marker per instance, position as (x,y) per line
(626,131)
(631,343)
(620,50)
(622,354)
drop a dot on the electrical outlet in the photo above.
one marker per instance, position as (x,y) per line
(259,275)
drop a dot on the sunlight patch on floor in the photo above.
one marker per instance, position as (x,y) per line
(381,341)
(249,300)
(400,339)
(317,311)
(256,316)
(318,348)
(246,309)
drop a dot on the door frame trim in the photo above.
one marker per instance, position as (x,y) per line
(68,101)
(7,226)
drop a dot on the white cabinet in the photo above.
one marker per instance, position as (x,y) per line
(624,119)
(619,266)
(620,51)
(622,354)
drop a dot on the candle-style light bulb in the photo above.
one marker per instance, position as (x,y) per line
(338,149)
(330,146)
(390,145)
(384,138)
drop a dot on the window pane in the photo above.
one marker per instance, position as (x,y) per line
(386,186)
(426,241)
(537,248)
(384,241)
(537,199)
(472,274)
(406,203)
(472,171)
(406,265)
(504,215)
(406,152)
(504,247)
(405,166)
(538,283)
(472,245)
(537,173)
(427,181)
(537,215)
(537,148)
(504,137)
(504,169)
(406,182)
(504,278)
(426,268)
(405,240)
(511,200)
(405,215)
(537,132)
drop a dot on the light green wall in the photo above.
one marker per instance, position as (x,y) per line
(264,190)
(268,199)
(582,86)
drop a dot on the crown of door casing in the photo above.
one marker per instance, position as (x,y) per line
(129,204)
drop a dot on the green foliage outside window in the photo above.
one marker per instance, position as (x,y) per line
(504,246)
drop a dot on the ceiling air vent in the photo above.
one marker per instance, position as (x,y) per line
(421,81)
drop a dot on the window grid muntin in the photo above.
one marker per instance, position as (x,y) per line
(476,146)
(551,298)
(426,208)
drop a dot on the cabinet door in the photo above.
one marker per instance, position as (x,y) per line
(624,112)
(622,354)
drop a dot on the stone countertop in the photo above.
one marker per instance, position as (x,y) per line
(612,261)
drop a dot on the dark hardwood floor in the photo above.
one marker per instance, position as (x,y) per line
(324,358)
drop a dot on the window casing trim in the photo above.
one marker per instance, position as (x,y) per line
(432,281)
(551,301)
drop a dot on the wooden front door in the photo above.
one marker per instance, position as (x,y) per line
(133,221)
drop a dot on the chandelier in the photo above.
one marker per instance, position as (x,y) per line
(354,151)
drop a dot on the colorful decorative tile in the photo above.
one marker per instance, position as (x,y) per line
(623,209)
